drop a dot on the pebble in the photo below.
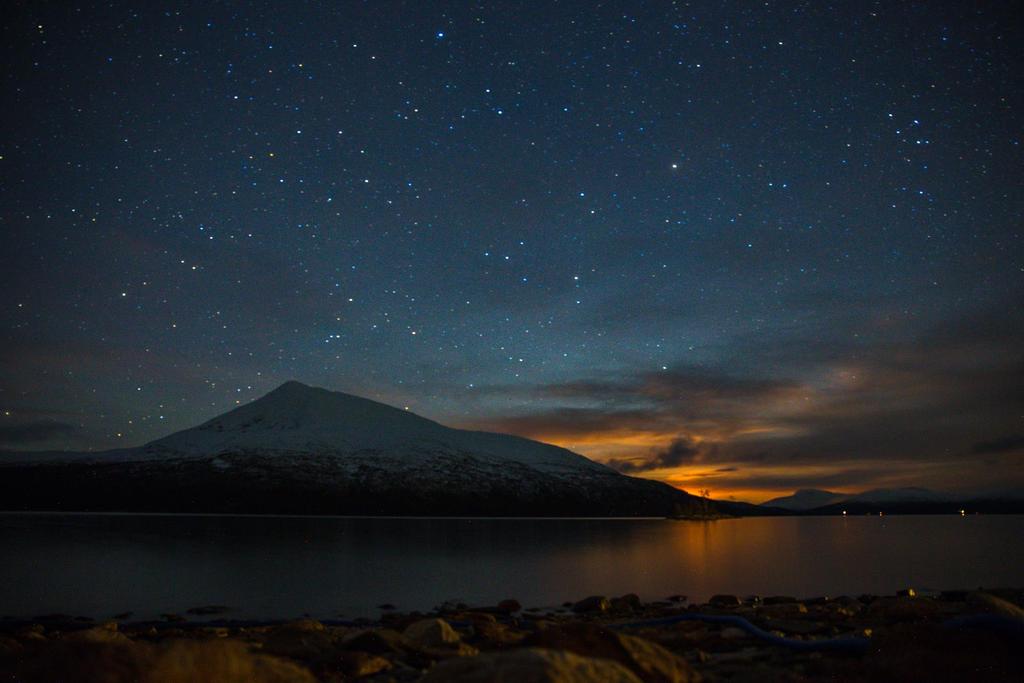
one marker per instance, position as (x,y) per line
(724,600)
(593,603)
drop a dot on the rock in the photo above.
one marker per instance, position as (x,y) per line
(906,593)
(302,640)
(183,661)
(376,641)
(529,665)
(798,627)
(496,634)
(626,603)
(509,606)
(733,633)
(778,600)
(359,664)
(206,610)
(841,610)
(954,595)
(474,617)
(432,633)
(990,604)
(31,634)
(649,661)
(903,609)
(724,600)
(304,625)
(105,633)
(594,603)
(929,652)
(216,631)
(452,606)
(9,646)
(221,661)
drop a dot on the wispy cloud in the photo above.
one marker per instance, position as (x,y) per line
(928,398)
(35,432)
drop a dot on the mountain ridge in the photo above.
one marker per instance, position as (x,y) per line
(809,499)
(302,449)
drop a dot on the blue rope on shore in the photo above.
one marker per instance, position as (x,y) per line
(852,644)
(1004,625)
(1008,626)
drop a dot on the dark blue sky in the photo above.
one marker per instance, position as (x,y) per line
(735,245)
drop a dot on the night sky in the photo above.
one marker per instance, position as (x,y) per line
(743,246)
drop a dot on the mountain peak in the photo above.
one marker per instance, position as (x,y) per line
(298,418)
(293,386)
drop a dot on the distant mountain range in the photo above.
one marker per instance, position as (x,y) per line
(301,449)
(896,500)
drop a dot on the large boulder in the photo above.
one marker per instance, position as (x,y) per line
(172,662)
(431,633)
(437,639)
(724,601)
(529,665)
(378,641)
(593,603)
(649,661)
(305,640)
(105,633)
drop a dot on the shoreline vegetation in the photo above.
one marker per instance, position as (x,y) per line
(953,635)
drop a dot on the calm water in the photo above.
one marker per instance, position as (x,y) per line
(99,565)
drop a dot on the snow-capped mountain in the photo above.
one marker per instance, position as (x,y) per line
(909,494)
(305,449)
(806,500)
(299,418)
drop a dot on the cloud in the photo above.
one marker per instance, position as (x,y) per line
(1006,444)
(893,398)
(681,451)
(33,432)
(665,404)
(842,477)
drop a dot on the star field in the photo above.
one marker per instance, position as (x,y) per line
(748,246)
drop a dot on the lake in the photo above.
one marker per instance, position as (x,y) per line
(280,567)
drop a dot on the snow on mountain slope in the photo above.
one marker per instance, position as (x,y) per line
(296,418)
(805,499)
(809,499)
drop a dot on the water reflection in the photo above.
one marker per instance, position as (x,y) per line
(262,567)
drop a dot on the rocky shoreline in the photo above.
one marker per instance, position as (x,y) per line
(950,636)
